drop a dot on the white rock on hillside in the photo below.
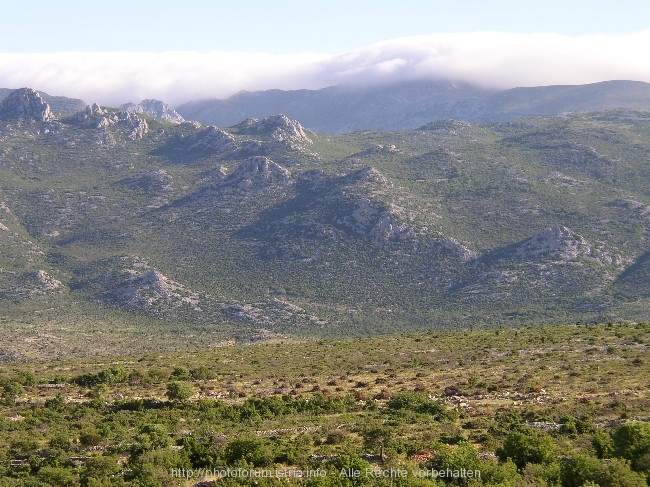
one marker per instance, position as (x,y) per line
(47,282)
(153,289)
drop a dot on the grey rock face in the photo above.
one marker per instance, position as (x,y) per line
(15,285)
(151,291)
(90,112)
(367,175)
(104,118)
(259,173)
(25,104)
(156,109)
(60,105)
(559,242)
(211,139)
(129,120)
(279,127)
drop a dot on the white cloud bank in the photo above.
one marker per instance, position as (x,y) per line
(490,59)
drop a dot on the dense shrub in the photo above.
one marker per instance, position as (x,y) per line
(583,469)
(114,375)
(524,446)
(250,449)
(420,403)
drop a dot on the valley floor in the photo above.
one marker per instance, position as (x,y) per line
(550,405)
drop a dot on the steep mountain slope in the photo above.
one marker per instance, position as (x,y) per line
(266,229)
(636,278)
(535,269)
(407,105)
(22,261)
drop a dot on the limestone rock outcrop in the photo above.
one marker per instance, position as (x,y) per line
(25,104)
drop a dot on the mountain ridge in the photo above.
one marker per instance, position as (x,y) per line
(387,107)
(408,105)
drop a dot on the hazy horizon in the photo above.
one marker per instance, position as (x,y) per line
(489,60)
(124,51)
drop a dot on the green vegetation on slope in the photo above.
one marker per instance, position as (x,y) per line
(116,226)
(554,406)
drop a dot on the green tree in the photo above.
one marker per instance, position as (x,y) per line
(603,444)
(178,391)
(524,446)
(61,441)
(408,400)
(27,378)
(153,436)
(180,373)
(465,455)
(89,436)
(376,437)
(98,469)
(202,373)
(154,468)
(632,442)
(12,390)
(342,467)
(250,449)
(200,453)
(57,476)
(56,403)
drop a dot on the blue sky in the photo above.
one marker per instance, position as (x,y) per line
(117,51)
(284,26)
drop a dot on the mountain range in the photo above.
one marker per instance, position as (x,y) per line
(113,221)
(408,105)
(399,106)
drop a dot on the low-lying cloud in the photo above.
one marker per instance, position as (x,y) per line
(491,59)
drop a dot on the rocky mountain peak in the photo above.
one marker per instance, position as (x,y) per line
(138,126)
(155,278)
(278,127)
(558,241)
(90,112)
(261,166)
(259,172)
(156,109)
(104,118)
(94,110)
(25,104)
(151,292)
(153,180)
(210,139)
